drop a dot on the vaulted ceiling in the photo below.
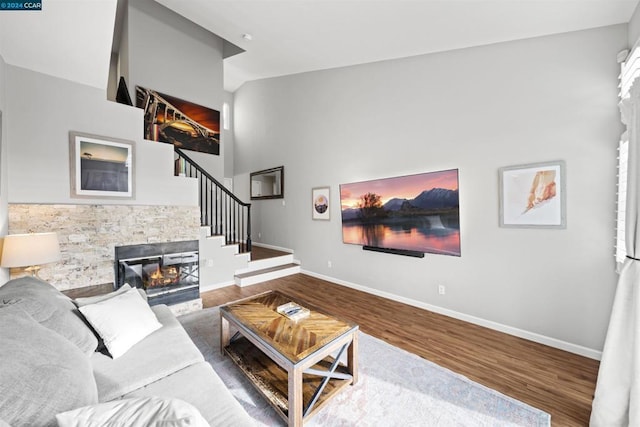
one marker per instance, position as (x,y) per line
(72,39)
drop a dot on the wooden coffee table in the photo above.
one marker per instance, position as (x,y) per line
(289,362)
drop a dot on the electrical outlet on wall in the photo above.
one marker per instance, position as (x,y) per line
(441,290)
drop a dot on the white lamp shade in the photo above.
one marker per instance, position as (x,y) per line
(23,250)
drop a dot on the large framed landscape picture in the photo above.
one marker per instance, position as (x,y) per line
(101,167)
(179,122)
(418,213)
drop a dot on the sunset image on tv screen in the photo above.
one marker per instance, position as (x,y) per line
(418,213)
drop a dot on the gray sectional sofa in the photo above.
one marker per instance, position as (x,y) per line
(52,361)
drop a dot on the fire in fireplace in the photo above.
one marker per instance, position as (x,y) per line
(165,276)
(168,272)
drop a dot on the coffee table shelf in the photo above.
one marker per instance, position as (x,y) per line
(272,381)
(294,364)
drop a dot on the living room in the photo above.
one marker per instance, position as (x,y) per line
(475,109)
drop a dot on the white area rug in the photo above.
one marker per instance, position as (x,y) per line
(395,388)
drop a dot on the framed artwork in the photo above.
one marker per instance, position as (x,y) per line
(533,195)
(179,122)
(405,215)
(321,206)
(101,167)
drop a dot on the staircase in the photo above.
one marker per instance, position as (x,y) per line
(275,265)
(225,239)
(220,209)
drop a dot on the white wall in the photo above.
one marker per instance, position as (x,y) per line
(475,109)
(634,27)
(174,56)
(4,220)
(42,111)
(123,54)
(227,138)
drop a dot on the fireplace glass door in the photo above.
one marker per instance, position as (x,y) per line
(167,279)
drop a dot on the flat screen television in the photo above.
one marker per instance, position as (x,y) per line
(412,214)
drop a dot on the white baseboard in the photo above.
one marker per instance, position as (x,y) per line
(520,333)
(211,287)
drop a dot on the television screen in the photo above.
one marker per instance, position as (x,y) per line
(418,213)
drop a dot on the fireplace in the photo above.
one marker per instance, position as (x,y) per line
(168,272)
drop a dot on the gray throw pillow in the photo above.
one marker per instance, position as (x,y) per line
(49,307)
(41,373)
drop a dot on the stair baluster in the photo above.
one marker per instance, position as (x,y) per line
(220,209)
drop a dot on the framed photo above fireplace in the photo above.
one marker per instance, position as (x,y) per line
(101,167)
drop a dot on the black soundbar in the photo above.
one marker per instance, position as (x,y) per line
(404,252)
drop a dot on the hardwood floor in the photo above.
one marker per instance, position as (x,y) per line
(553,380)
(259,252)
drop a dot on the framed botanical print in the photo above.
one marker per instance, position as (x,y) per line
(533,195)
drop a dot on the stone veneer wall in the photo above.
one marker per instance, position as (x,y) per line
(88,235)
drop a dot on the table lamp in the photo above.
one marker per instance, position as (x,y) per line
(30,250)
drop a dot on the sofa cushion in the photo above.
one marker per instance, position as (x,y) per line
(170,349)
(121,321)
(50,308)
(41,373)
(200,386)
(136,412)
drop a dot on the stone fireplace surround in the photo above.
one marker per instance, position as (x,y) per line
(88,235)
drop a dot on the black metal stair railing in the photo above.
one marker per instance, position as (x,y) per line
(220,209)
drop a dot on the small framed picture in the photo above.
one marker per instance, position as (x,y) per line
(533,195)
(101,167)
(320,199)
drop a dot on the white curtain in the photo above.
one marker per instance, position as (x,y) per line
(617,396)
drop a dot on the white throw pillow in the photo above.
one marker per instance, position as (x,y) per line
(92,300)
(135,412)
(121,321)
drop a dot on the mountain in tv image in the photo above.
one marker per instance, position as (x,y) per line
(436,198)
(426,202)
